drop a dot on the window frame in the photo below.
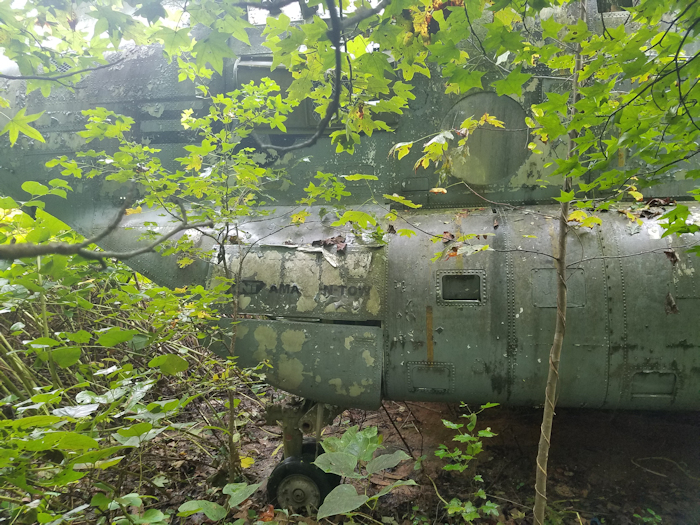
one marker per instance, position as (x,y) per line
(460,302)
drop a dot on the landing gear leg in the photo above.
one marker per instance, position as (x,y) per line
(296,483)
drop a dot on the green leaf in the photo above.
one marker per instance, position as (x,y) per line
(20,124)
(341,500)
(77,411)
(81,336)
(135,430)
(239,492)
(213,50)
(356,177)
(386,461)
(213,511)
(75,441)
(114,336)
(360,218)
(35,421)
(35,188)
(512,84)
(577,32)
(389,488)
(174,41)
(465,79)
(402,200)
(566,196)
(43,342)
(551,28)
(100,500)
(340,463)
(169,364)
(8,203)
(374,64)
(91,458)
(66,356)
(151,11)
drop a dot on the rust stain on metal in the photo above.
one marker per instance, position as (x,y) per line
(429,332)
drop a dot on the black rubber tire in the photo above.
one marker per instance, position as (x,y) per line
(294,466)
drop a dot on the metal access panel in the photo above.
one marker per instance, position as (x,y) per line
(544,288)
(302,281)
(331,363)
(655,358)
(585,355)
(446,321)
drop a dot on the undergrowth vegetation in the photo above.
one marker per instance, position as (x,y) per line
(113,411)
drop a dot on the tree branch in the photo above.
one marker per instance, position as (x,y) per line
(56,78)
(362,14)
(19,251)
(335,35)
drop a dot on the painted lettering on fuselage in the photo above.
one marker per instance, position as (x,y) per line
(341,289)
(250,287)
(285,289)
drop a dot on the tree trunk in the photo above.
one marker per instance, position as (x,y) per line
(560,327)
(553,375)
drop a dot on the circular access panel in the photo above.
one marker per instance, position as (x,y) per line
(495,154)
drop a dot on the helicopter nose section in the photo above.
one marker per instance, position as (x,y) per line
(337,364)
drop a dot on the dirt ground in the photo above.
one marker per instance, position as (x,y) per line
(605,466)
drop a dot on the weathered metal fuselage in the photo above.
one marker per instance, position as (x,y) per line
(387,322)
(382,320)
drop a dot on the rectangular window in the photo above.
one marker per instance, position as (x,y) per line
(613,6)
(461,287)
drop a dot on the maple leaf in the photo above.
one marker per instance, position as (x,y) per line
(213,49)
(512,84)
(463,78)
(20,123)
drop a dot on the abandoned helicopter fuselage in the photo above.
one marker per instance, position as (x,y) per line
(406,318)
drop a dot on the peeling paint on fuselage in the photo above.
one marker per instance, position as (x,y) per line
(374,303)
(356,390)
(306,275)
(289,372)
(267,340)
(338,384)
(292,340)
(243,302)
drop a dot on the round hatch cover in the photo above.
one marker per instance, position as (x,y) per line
(495,154)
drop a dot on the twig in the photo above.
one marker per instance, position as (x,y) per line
(655,250)
(410,451)
(64,75)
(335,35)
(22,250)
(684,471)
(361,15)
(487,200)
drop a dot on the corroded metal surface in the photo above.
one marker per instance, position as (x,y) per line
(624,347)
(329,363)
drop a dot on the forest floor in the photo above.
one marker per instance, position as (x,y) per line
(604,466)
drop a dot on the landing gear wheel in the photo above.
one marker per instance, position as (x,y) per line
(297,484)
